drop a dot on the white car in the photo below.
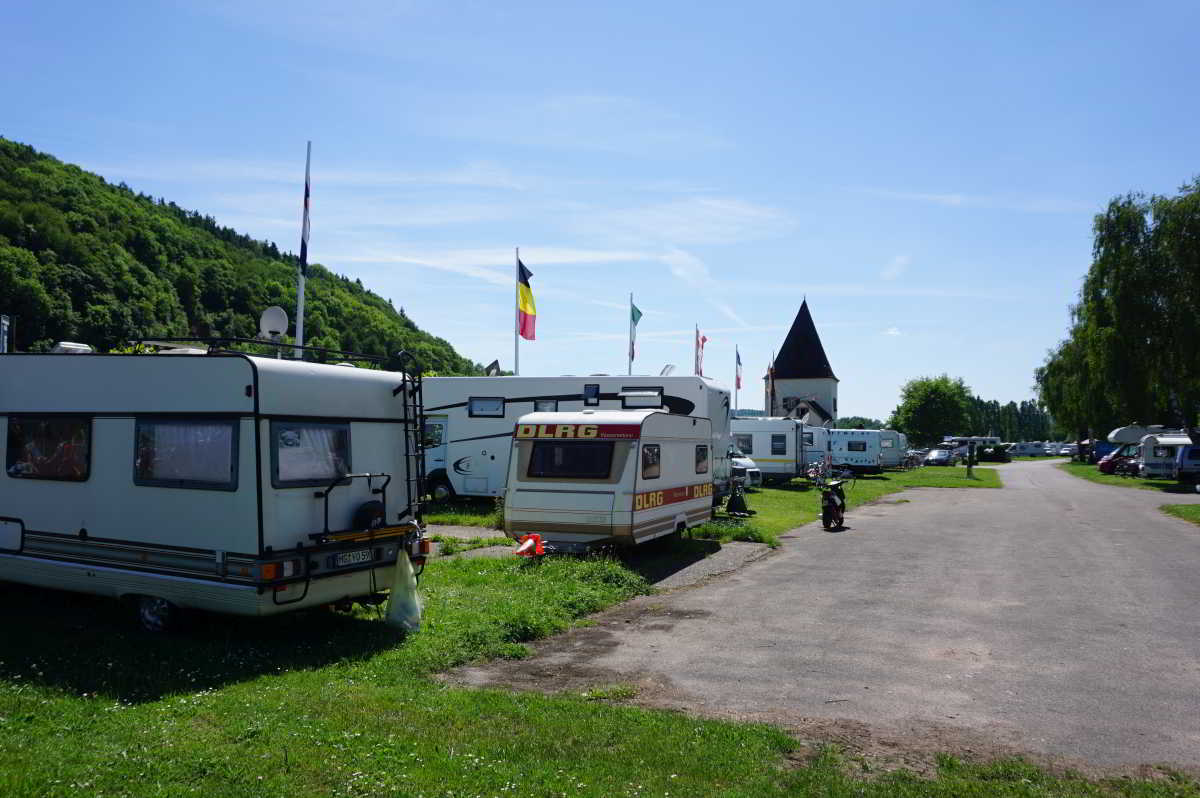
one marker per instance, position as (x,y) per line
(1070,449)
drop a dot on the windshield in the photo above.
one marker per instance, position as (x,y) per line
(571,460)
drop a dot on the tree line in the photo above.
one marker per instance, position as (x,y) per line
(1132,352)
(84,260)
(933,407)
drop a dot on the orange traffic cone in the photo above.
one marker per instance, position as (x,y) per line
(531,546)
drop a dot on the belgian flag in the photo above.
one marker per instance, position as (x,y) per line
(526,310)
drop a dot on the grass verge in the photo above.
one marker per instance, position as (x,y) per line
(1092,474)
(1188,512)
(486,513)
(321,704)
(448,545)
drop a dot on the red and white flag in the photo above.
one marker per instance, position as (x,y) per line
(700,342)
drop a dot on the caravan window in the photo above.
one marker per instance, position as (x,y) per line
(434,434)
(591,394)
(808,439)
(173,453)
(638,397)
(856,446)
(886,443)
(701,459)
(545,405)
(49,447)
(778,444)
(308,453)
(744,442)
(485,407)
(571,460)
(1164,451)
(651,461)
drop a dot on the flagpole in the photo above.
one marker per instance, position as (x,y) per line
(696,351)
(517,316)
(630,370)
(298,353)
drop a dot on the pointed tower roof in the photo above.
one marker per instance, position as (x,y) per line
(802,356)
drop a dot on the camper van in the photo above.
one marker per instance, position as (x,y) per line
(1157,454)
(782,448)
(622,477)
(224,482)
(857,450)
(469,421)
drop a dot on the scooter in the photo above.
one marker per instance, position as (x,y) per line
(833,498)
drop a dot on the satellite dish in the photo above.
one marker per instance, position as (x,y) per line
(667,371)
(273,322)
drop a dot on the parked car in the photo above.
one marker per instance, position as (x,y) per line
(1069,449)
(941,457)
(1122,454)
(993,454)
(1187,464)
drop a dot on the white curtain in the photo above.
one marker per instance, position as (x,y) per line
(310,453)
(185,451)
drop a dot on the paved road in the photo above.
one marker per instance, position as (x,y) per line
(1055,616)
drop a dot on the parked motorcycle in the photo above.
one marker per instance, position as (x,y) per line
(833,498)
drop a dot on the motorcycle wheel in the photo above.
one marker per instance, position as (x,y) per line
(827,517)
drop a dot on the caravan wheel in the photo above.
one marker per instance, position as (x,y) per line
(156,615)
(441,490)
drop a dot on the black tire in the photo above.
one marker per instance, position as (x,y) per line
(370,515)
(156,615)
(440,490)
(827,519)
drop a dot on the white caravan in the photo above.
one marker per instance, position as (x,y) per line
(222,482)
(469,421)
(782,448)
(1157,454)
(623,477)
(893,448)
(1026,449)
(858,450)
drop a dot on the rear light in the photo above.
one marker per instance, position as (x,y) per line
(279,570)
(271,570)
(426,547)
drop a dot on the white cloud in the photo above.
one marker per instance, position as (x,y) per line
(892,331)
(1003,201)
(693,271)
(695,220)
(896,267)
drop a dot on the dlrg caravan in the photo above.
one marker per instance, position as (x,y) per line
(469,421)
(598,477)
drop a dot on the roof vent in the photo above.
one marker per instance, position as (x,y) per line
(71,348)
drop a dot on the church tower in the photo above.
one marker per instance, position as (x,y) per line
(801,383)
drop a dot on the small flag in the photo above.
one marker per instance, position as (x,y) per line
(526,310)
(493,369)
(304,228)
(701,340)
(635,316)
(738,377)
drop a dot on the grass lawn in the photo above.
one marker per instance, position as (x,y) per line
(1092,474)
(485,513)
(323,704)
(1188,512)
(779,509)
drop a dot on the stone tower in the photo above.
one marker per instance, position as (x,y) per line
(804,386)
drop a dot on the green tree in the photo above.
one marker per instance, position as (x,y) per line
(932,407)
(858,422)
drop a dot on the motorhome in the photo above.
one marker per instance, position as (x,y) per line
(1187,464)
(224,482)
(893,448)
(856,450)
(591,477)
(962,443)
(469,421)
(782,448)
(1157,454)
(1026,449)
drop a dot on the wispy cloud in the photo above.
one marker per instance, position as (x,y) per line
(892,331)
(694,220)
(1003,201)
(895,267)
(693,271)
(866,290)
(494,265)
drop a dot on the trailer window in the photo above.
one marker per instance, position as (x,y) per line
(308,453)
(570,460)
(591,394)
(45,447)
(1164,451)
(808,439)
(485,407)
(856,446)
(886,443)
(651,461)
(545,405)
(701,459)
(174,453)
(434,434)
(778,444)
(744,443)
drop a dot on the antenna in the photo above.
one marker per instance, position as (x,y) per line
(273,323)
(668,370)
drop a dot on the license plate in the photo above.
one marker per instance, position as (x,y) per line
(351,558)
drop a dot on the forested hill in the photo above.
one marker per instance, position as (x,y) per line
(84,260)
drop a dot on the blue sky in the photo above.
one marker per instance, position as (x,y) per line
(926,173)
